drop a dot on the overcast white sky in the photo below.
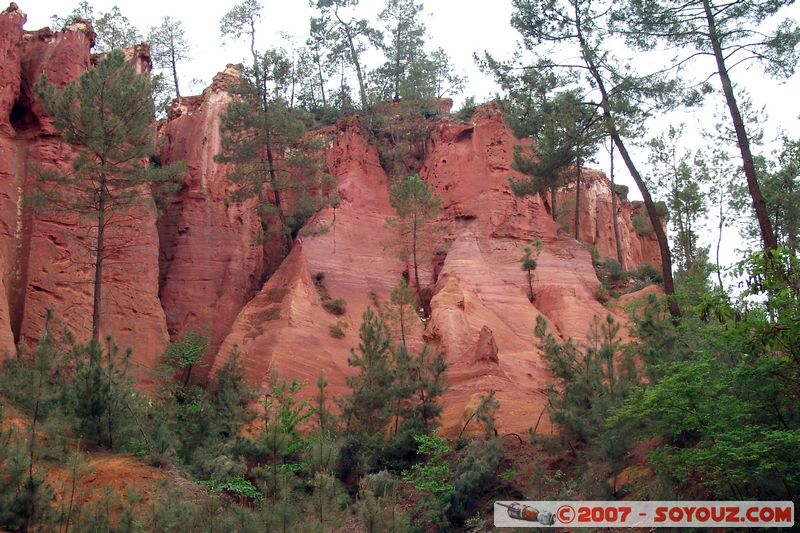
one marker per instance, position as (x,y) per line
(461,27)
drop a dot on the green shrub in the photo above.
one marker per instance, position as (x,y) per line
(475,475)
(335,306)
(641,220)
(614,271)
(648,273)
(602,294)
(467,109)
(338,330)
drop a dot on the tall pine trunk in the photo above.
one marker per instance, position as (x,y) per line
(719,239)
(578,201)
(174,67)
(614,218)
(658,229)
(356,63)
(759,204)
(98,260)
(414,253)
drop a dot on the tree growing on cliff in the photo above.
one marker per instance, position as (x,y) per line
(406,63)
(401,310)
(351,37)
(529,264)
(262,137)
(416,205)
(623,97)
(106,115)
(114,30)
(168,47)
(567,134)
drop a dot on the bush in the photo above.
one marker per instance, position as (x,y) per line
(641,220)
(464,114)
(475,475)
(613,270)
(337,330)
(602,294)
(335,306)
(648,273)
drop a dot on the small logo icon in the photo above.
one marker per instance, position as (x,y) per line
(528,513)
(565,514)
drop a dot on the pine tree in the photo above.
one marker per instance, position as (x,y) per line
(405,50)
(113,29)
(168,47)
(681,181)
(416,205)
(621,94)
(401,311)
(567,134)
(529,264)
(368,408)
(731,36)
(106,115)
(349,40)
(263,139)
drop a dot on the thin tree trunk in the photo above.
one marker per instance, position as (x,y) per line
(661,236)
(356,63)
(32,447)
(397,64)
(530,285)
(188,376)
(719,237)
(275,189)
(553,202)
(72,490)
(402,324)
(414,253)
(578,201)
(98,261)
(109,402)
(742,139)
(321,82)
(173,62)
(614,218)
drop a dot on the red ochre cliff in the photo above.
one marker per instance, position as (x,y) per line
(202,264)
(46,258)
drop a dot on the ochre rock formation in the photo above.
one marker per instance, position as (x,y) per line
(204,264)
(46,258)
(211,261)
(596,225)
(481,320)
